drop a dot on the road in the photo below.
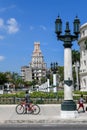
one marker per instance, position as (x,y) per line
(49,114)
(45,127)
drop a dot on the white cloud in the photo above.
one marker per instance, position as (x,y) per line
(1,23)
(43,27)
(1,37)
(31,28)
(2,58)
(12,26)
(7,8)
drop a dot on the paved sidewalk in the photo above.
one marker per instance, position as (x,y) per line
(49,113)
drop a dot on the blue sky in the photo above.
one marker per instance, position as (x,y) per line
(23,22)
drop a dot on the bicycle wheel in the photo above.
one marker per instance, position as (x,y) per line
(19,109)
(35,109)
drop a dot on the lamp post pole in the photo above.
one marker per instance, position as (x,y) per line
(68,107)
(54,68)
(48,80)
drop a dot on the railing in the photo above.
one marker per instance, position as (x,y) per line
(41,100)
(11,100)
(15,100)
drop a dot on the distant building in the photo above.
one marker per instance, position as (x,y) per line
(37,66)
(26,73)
(83,57)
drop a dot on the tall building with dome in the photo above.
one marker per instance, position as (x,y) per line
(83,57)
(37,67)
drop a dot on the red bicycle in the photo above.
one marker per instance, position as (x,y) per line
(31,108)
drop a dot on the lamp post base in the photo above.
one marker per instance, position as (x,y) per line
(68,105)
(69,109)
(69,114)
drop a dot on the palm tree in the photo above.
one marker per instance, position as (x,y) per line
(75,56)
(75,62)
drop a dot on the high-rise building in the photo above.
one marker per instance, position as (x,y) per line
(26,73)
(83,57)
(37,66)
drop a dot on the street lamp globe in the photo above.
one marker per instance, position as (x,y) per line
(58,25)
(76,25)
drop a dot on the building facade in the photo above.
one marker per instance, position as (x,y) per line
(26,73)
(83,57)
(37,67)
(37,64)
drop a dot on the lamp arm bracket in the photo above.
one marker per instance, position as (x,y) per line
(74,37)
(61,37)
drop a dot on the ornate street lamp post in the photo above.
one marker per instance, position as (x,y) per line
(54,68)
(68,107)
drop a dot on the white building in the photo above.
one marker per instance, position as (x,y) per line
(37,66)
(83,57)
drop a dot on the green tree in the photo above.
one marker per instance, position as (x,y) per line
(16,79)
(75,56)
(28,83)
(43,80)
(61,73)
(3,78)
(75,61)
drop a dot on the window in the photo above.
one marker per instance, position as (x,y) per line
(84,80)
(86,44)
(83,33)
(84,52)
(85,62)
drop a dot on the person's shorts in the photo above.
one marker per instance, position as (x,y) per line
(81,105)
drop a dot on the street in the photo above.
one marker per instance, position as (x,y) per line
(49,114)
(44,127)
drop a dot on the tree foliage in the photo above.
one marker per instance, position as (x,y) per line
(75,61)
(61,73)
(3,78)
(75,56)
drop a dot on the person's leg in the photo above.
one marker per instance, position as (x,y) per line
(26,108)
(78,107)
(83,108)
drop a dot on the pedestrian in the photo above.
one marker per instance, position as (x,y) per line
(27,101)
(81,103)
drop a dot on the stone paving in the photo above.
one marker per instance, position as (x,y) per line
(50,113)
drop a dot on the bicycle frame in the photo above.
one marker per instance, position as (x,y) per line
(28,108)
(27,105)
